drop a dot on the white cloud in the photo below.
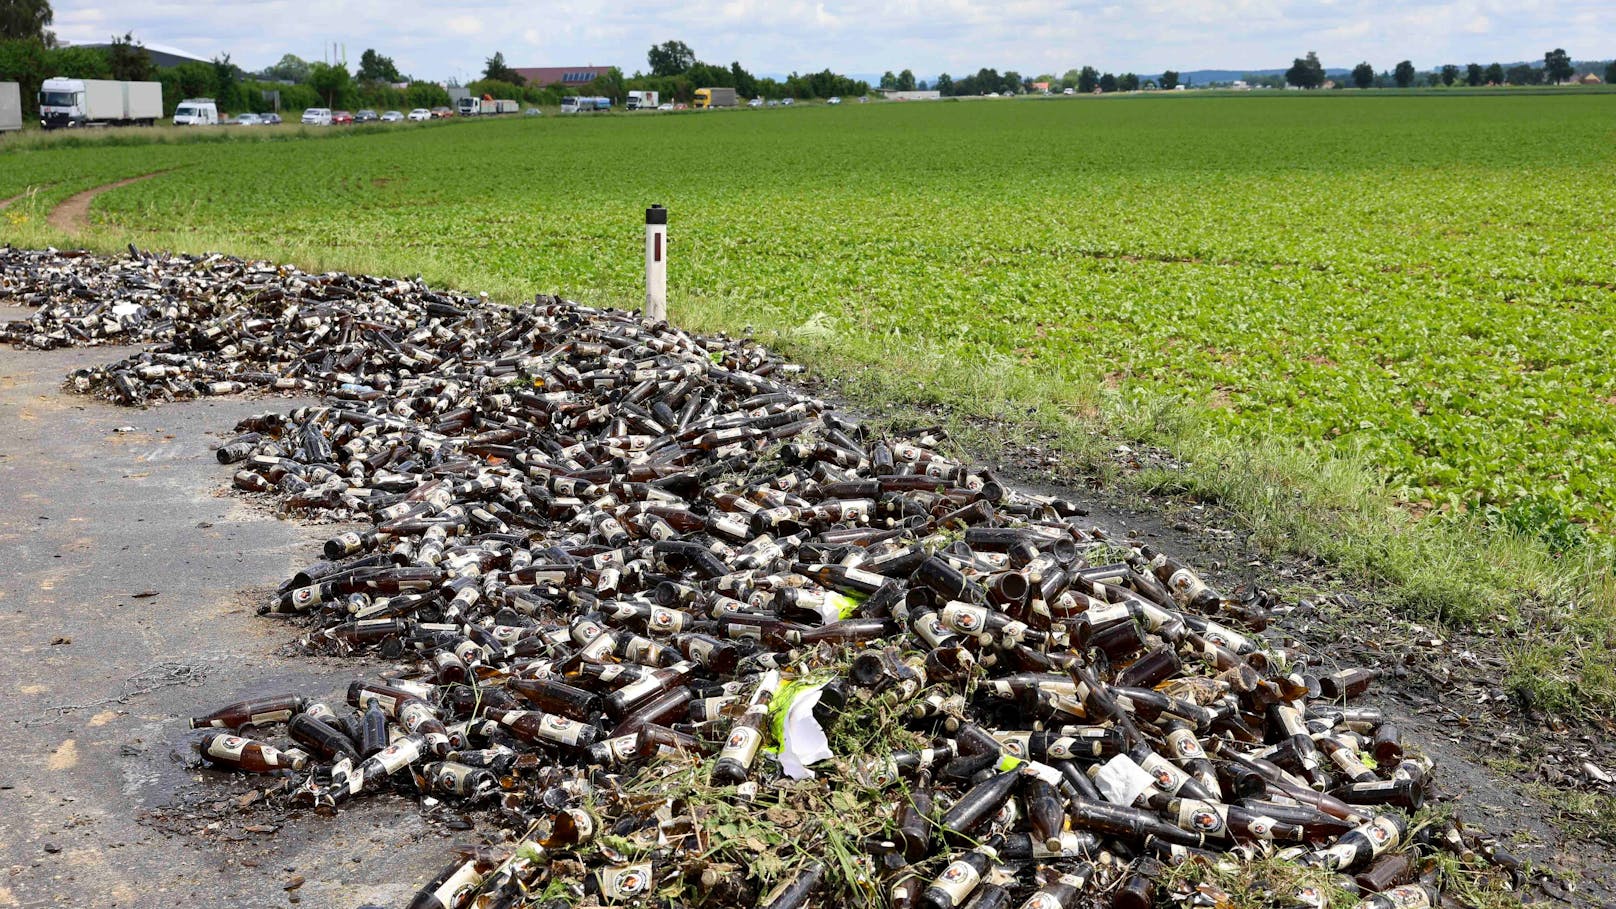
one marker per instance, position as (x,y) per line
(433,40)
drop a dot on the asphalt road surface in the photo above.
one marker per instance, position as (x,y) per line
(102,802)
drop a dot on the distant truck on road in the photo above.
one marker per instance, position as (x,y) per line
(638,100)
(98,102)
(573,104)
(714,97)
(10,106)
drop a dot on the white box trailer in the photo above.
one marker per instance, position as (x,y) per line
(506,106)
(642,100)
(90,102)
(10,106)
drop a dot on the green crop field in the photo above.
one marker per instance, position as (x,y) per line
(1430,281)
(1427,284)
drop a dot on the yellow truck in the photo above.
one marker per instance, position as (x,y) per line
(714,97)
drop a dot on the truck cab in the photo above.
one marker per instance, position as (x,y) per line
(196,112)
(469,107)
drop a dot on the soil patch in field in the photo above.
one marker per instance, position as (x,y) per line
(73,215)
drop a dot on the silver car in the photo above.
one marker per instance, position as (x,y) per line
(317,116)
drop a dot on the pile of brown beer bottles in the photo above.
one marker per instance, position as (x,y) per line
(604,558)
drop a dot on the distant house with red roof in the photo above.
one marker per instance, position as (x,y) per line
(564,76)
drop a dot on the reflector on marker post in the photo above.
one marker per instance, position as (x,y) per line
(656,263)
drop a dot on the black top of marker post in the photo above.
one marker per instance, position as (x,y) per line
(656,214)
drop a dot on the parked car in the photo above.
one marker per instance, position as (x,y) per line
(533,112)
(442,113)
(755,102)
(773,102)
(666,105)
(270,119)
(365,116)
(833,100)
(419,114)
(789,101)
(339,117)
(248,120)
(392,116)
(317,116)
(1069,91)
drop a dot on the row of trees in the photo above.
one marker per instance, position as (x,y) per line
(675,73)
(1085,81)
(1557,68)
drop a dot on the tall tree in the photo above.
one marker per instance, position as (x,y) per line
(1363,75)
(906,81)
(1108,83)
(1306,72)
(746,85)
(129,60)
(495,68)
(945,84)
(1169,80)
(1523,74)
(889,81)
(374,67)
(1557,66)
(26,20)
(1474,75)
(1128,82)
(1087,80)
(1610,73)
(1495,74)
(1404,74)
(330,80)
(670,58)
(291,68)
(1011,83)
(1068,79)
(1450,74)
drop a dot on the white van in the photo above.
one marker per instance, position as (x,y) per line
(196,112)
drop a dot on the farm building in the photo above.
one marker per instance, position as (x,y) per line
(564,76)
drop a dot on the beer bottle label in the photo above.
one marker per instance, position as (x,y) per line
(1186,586)
(272,716)
(304,598)
(582,822)
(701,651)
(965,618)
(397,755)
(623,747)
(1042,900)
(957,881)
(1015,744)
(1182,743)
(1408,896)
(561,730)
(228,747)
(464,879)
(1168,778)
(742,745)
(1206,818)
(610,672)
(625,882)
(665,621)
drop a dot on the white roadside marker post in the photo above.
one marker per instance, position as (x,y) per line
(656,263)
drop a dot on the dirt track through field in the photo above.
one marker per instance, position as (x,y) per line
(6,203)
(72,217)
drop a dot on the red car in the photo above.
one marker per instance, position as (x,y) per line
(339,117)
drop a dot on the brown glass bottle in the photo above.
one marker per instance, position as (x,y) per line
(254,712)
(237,753)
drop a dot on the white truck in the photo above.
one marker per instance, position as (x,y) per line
(638,100)
(98,102)
(197,112)
(10,106)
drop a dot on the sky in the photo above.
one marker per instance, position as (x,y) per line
(437,40)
